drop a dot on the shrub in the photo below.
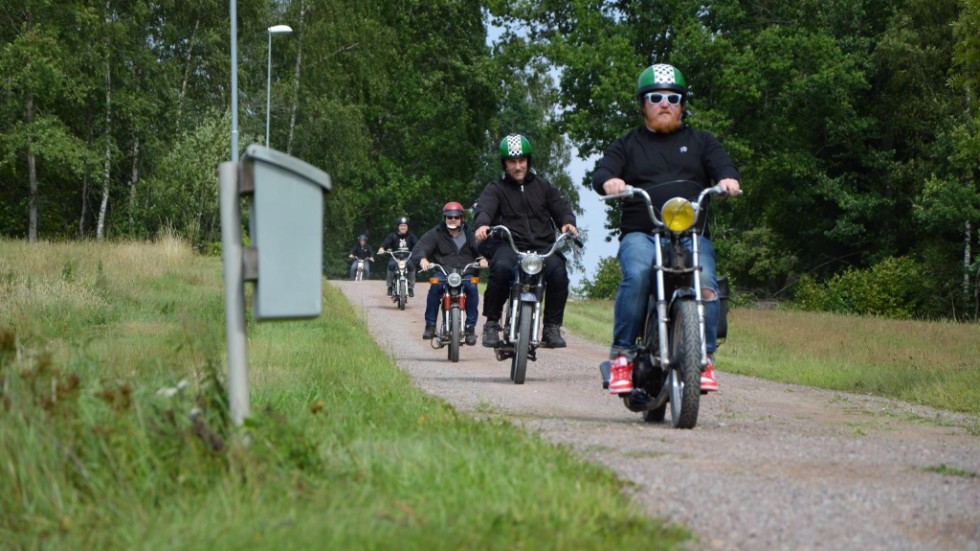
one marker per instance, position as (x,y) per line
(606,282)
(892,288)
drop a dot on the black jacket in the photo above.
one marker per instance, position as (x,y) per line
(648,160)
(361,252)
(532,211)
(399,241)
(440,247)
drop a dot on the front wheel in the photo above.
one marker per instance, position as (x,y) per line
(454,333)
(402,294)
(518,366)
(685,365)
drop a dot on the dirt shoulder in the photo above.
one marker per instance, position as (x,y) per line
(769,466)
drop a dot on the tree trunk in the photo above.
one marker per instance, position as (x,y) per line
(967,257)
(100,228)
(133,179)
(187,72)
(85,179)
(31,172)
(299,58)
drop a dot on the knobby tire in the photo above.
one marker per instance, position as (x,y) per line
(522,344)
(455,334)
(685,349)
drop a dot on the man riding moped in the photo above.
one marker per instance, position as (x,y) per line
(452,245)
(653,157)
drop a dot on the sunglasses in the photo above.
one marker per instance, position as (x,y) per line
(453,217)
(656,97)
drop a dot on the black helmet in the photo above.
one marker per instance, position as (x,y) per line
(402,220)
(362,237)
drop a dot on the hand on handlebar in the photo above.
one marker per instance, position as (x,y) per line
(729,186)
(614,186)
(482,233)
(424,264)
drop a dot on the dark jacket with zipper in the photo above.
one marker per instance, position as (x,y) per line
(440,247)
(655,162)
(533,211)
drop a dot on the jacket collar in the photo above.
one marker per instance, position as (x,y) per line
(531,176)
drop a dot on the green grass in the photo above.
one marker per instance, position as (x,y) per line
(113,428)
(930,363)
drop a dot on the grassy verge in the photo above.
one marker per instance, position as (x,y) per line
(113,431)
(930,363)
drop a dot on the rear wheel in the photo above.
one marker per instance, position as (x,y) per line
(454,333)
(656,415)
(522,344)
(650,342)
(402,294)
(685,365)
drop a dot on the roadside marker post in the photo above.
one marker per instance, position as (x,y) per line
(286,253)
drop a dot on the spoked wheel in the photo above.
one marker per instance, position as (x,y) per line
(518,366)
(650,333)
(685,368)
(454,333)
(402,294)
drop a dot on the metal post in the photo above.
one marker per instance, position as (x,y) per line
(231,246)
(234,81)
(268,92)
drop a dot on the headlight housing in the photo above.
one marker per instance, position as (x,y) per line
(532,264)
(678,214)
(454,280)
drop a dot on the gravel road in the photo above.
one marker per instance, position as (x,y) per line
(769,466)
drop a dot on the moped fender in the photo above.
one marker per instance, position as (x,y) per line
(681,294)
(528,297)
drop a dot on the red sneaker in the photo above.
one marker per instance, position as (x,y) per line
(621,376)
(708,381)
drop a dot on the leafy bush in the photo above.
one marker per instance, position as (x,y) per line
(892,288)
(606,282)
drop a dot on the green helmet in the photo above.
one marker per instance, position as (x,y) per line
(661,77)
(514,146)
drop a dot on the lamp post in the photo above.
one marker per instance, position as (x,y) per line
(275,29)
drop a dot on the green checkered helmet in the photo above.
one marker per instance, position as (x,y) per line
(661,77)
(514,146)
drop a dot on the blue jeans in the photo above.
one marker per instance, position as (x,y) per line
(367,269)
(637,255)
(435,294)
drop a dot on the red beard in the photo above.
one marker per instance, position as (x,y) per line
(663,122)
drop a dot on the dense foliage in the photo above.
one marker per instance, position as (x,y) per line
(854,122)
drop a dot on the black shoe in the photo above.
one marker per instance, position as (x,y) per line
(390,291)
(552,337)
(411,292)
(470,335)
(490,336)
(430,331)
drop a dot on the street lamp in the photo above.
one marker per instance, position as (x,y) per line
(275,29)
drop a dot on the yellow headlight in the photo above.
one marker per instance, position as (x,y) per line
(678,214)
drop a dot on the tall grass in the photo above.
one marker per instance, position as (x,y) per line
(930,363)
(113,430)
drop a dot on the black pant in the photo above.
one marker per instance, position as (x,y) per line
(501,275)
